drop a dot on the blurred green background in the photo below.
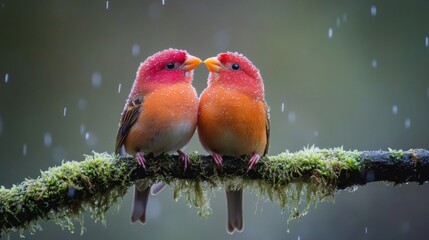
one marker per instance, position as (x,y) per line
(337,73)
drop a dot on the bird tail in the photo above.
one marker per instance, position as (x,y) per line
(141,195)
(234,200)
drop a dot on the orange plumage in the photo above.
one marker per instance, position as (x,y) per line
(233,119)
(231,123)
(160,114)
(167,122)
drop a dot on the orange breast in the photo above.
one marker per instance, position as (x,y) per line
(231,123)
(166,122)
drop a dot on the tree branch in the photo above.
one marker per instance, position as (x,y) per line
(62,194)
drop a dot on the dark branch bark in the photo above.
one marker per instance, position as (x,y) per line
(93,185)
(376,166)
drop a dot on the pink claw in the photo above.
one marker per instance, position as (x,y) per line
(218,159)
(185,159)
(253,161)
(141,160)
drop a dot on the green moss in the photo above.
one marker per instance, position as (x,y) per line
(195,194)
(298,180)
(62,194)
(396,154)
(294,181)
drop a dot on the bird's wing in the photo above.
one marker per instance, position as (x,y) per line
(267,128)
(128,118)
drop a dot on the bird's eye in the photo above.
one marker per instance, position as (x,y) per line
(235,66)
(169,65)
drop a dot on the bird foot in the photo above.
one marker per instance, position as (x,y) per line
(185,159)
(141,160)
(218,159)
(253,161)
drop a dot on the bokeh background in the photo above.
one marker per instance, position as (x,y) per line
(337,73)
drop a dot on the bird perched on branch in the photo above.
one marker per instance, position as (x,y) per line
(160,114)
(233,119)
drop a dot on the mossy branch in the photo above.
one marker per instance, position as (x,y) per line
(63,194)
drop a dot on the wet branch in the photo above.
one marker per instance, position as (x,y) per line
(380,166)
(62,194)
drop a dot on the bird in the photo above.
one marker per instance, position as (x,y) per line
(159,116)
(233,119)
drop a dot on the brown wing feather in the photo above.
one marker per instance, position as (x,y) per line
(267,128)
(128,118)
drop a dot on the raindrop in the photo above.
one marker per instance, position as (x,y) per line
(65,111)
(163,2)
(119,88)
(394,109)
(283,106)
(330,32)
(91,139)
(407,123)
(47,139)
(299,238)
(135,50)
(345,17)
(6,77)
(291,117)
(107,4)
(96,79)
(405,227)
(58,154)
(24,150)
(338,22)
(366,230)
(374,63)
(82,129)
(316,133)
(81,104)
(373,11)
(427,41)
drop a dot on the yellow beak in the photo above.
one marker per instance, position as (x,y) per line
(213,64)
(190,63)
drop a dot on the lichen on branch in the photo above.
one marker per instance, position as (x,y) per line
(63,194)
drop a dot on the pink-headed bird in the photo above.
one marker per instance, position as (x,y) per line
(233,119)
(160,114)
